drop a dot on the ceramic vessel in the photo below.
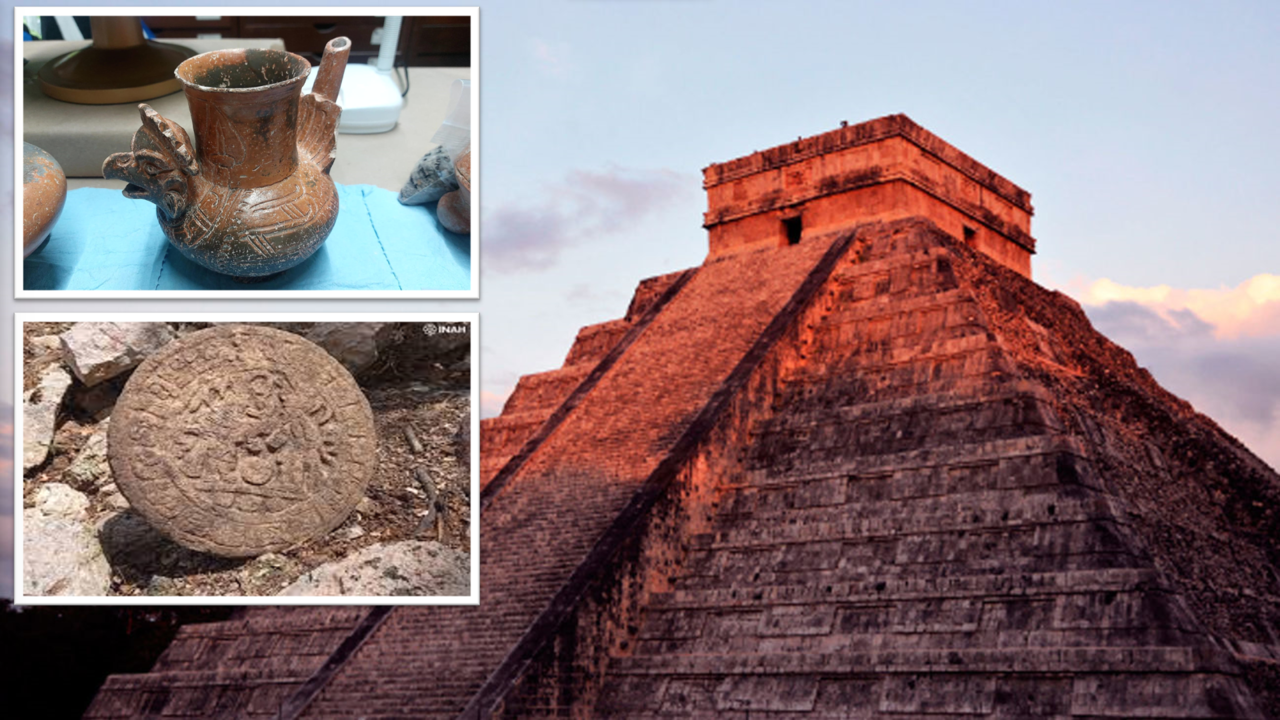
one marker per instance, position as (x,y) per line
(454,209)
(253,197)
(44,192)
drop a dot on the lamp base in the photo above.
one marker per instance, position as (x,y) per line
(97,76)
(370,101)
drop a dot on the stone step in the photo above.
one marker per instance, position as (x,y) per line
(1083,562)
(913,428)
(544,392)
(925,258)
(1139,607)
(507,433)
(884,464)
(911,696)
(230,692)
(872,378)
(1061,473)
(988,504)
(490,465)
(982,393)
(936,637)
(895,589)
(895,336)
(957,305)
(894,518)
(1168,659)
(306,632)
(593,342)
(1100,547)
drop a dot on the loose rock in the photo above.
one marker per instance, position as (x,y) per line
(355,345)
(454,214)
(45,344)
(99,351)
(368,507)
(403,568)
(445,346)
(432,177)
(56,500)
(115,501)
(61,557)
(89,469)
(40,415)
(266,574)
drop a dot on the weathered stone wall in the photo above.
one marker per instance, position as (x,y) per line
(886,169)
(1205,508)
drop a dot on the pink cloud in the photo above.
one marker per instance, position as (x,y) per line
(585,205)
(1250,309)
(1216,348)
(491,402)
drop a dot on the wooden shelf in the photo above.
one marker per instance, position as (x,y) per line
(424,41)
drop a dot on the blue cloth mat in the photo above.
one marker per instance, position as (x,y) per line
(105,241)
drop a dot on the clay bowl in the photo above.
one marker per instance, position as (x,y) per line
(44,192)
(454,209)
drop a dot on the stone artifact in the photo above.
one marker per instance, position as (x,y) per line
(256,199)
(431,178)
(44,192)
(454,209)
(240,440)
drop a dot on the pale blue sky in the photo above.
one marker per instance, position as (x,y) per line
(1145,131)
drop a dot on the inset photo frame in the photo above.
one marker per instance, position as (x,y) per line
(247,152)
(247,459)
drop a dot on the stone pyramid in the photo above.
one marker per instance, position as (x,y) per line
(857,464)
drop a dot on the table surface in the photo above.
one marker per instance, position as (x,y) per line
(82,136)
(105,241)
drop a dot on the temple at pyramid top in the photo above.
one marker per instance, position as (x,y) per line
(884,169)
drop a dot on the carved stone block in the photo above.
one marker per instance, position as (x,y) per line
(240,440)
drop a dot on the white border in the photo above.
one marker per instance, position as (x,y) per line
(20,598)
(473,12)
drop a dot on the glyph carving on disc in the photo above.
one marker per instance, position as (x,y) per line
(240,440)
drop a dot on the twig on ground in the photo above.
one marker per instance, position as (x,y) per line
(436,506)
(414,445)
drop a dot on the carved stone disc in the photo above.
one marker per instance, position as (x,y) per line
(240,440)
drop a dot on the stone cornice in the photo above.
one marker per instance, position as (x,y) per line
(863,134)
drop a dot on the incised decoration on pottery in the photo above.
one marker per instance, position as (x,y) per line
(44,192)
(256,198)
(240,440)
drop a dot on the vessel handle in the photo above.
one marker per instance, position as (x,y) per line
(332,65)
